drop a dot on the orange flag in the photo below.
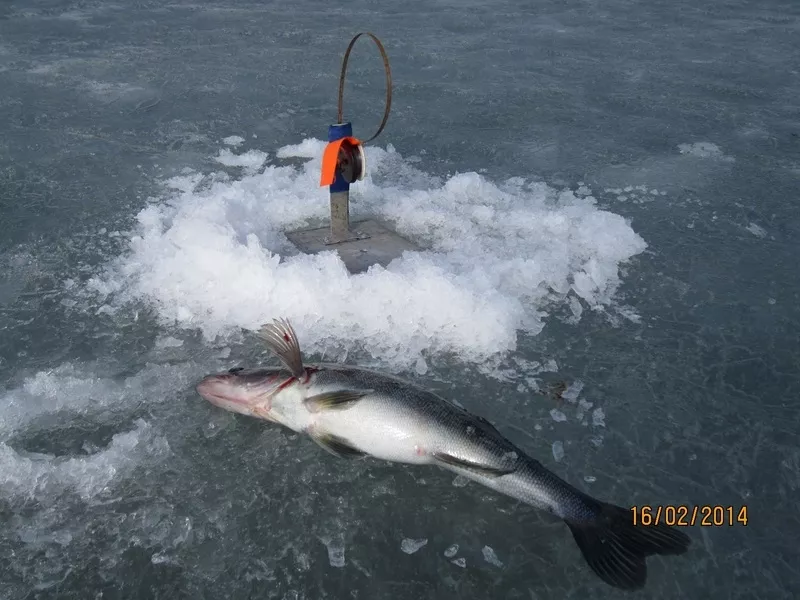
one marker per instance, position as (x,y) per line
(331,157)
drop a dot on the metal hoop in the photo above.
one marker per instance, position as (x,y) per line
(388,72)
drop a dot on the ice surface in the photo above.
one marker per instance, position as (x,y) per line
(43,476)
(16,270)
(223,352)
(48,399)
(214,257)
(490,557)
(582,95)
(79,389)
(409,546)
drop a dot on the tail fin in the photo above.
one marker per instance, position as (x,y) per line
(616,549)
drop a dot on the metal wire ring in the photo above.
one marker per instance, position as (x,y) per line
(386,68)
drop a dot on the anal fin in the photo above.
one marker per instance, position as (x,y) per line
(476,467)
(337,446)
(335,400)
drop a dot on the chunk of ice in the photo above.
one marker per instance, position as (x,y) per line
(250,161)
(409,546)
(583,408)
(572,391)
(598,417)
(704,150)
(451,551)
(168,342)
(557,415)
(558,450)
(421,367)
(460,481)
(160,558)
(233,140)
(460,562)
(335,548)
(576,307)
(490,557)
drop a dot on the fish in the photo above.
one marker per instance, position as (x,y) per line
(356,413)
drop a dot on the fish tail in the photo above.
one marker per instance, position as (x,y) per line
(615,548)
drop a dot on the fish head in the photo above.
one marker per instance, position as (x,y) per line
(245,391)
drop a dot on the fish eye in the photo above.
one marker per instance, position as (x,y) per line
(235,370)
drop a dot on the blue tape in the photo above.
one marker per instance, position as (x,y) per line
(337,132)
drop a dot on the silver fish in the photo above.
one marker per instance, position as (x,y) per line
(353,413)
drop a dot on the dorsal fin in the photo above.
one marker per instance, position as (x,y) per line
(282,340)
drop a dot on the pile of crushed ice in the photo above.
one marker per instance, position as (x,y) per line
(497,257)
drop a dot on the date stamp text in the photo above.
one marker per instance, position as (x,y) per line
(684,515)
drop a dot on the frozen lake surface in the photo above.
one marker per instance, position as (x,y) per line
(607,195)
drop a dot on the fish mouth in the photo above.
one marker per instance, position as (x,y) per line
(219,390)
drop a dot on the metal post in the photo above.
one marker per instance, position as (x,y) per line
(340,217)
(340,194)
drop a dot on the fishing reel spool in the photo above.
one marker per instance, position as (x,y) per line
(351,162)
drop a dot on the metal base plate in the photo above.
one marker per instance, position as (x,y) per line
(381,247)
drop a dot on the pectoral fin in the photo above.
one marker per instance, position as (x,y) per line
(337,446)
(480,468)
(335,400)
